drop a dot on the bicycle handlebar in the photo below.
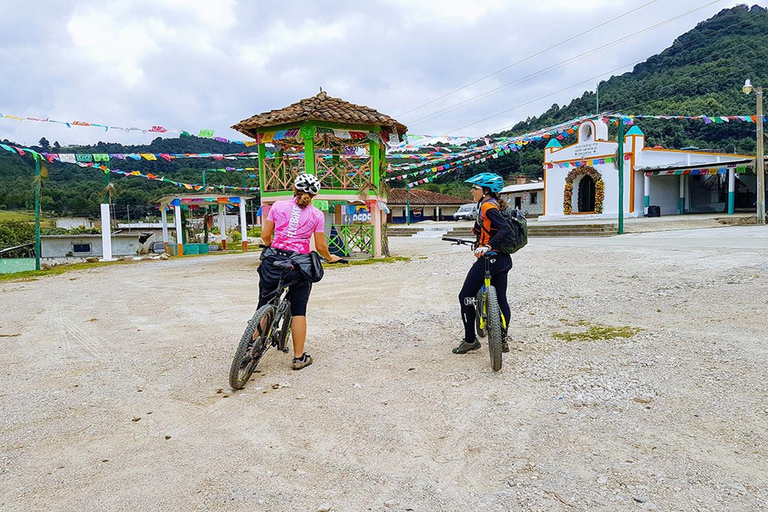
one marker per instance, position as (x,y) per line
(458,241)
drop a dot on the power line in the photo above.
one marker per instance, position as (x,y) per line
(571,86)
(529,57)
(541,72)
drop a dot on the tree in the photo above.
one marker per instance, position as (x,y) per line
(56,145)
(45,144)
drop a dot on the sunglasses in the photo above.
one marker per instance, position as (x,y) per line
(475,187)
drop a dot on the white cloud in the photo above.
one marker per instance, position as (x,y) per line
(193,64)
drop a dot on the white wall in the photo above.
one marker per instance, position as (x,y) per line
(60,246)
(665,191)
(73,222)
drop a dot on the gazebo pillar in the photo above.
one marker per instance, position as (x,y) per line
(243,226)
(376,219)
(223,226)
(164,217)
(179,239)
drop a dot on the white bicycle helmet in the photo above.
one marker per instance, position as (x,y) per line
(307,183)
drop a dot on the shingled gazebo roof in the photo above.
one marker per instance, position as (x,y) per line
(320,107)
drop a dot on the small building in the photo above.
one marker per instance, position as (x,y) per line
(582,180)
(424,205)
(526,196)
(75,247)
(74,222)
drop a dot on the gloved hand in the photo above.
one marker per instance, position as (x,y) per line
(481,250)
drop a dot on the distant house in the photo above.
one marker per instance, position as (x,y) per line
(424,205)
(86,246)
(525,196)
(74,222)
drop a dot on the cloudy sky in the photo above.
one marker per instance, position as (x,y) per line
(206,64)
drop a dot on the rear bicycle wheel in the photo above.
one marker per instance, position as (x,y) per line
(495,333)
(480,325)
(253,344)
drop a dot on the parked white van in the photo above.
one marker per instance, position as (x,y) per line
(466,212)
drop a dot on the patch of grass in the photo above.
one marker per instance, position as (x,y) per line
(12,216)
(31,275)
(373,261)
(598,332)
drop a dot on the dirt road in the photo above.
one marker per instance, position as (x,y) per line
(114,393)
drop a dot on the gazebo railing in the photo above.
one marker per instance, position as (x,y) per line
(349,238)
(340,174)
(343,173)
(279,175)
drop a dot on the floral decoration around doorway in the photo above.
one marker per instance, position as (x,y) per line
(599,188)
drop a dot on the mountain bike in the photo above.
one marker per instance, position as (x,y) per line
(269,327)
(489,319)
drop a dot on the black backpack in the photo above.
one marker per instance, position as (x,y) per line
(518,237)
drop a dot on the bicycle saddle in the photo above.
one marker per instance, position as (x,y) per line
(283,264)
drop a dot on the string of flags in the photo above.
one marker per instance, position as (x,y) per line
(590,162)
(629,119)
(739,169)
(155,177)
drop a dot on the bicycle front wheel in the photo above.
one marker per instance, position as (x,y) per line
(495,333)
(253,345)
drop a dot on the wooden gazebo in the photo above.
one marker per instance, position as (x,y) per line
(344,145)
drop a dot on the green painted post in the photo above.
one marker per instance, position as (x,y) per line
(407,205)
(308,134)
(262,172)
(373,149)
(621,176)
(38,180)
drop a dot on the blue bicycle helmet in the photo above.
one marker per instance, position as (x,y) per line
(492,182)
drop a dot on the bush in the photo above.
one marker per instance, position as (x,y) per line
(235,237)
(255,232)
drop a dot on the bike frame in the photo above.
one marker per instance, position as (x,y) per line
(481,311)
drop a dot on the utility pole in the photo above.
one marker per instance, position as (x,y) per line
(621,175)
(407,204)
(38,180)
(597,98)
(760,167)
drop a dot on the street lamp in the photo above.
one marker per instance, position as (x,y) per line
(760,161)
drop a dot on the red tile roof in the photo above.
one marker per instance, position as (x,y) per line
(423,197)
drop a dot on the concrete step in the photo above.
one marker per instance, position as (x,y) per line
(552,230)
(402,231)
(431,232)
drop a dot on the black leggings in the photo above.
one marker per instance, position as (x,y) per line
(501,264)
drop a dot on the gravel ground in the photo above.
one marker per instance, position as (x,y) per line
(114,385)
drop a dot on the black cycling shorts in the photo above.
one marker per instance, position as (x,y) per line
(298,291)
